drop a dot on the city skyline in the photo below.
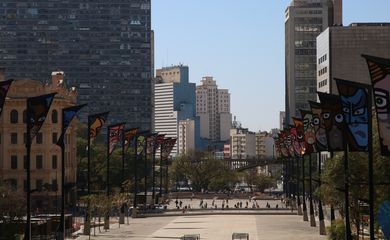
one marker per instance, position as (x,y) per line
(257,63)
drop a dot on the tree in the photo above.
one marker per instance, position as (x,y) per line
(203,170)
(258,180)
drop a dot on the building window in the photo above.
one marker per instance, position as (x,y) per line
(54,138)
(14,162)
(54,116)
(14,116)
(14,184)
(39,138)
(39,161)
(54,161)
(14,138)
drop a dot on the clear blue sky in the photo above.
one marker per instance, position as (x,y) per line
(241,44)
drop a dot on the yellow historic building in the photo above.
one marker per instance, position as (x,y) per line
(45,154)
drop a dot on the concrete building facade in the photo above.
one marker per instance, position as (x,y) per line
(105,48)
(45,154)
(213,108)
(339,51)
(304,21)
(186,137)
(264,145)
(174,100)
(243,143)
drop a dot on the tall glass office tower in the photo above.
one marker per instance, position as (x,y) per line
(104,48)
(304,21)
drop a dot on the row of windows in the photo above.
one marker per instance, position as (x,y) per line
(322,83)
(38,138)
(39,185)
(305,52)
(38,162)
(322,59)
(14,116)
(323,71)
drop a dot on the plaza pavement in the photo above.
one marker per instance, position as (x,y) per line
(267,227)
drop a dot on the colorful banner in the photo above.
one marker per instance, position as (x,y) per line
(114,136)
(379,69)
(288,142)
(308,129)
(4,86)
(354,99)
(282,144)
(141,138)
(159,140)
(298,137)
(333,118)
(96,123)
(130,137)
(37,109)
(150,143)
(167,147)
(67,116)
(321,142)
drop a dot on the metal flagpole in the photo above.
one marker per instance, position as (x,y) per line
(154,174)
(370,166)
(312,219)
(146,169)
(28,147)
(346,196)
(297,188)
(62,221)
(304,210)
(320,211)
(107,215)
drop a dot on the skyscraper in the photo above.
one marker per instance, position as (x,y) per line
(304,21)
(213,108)
(104,47)
(339,51)
(174,102)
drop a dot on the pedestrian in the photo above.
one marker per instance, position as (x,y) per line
(246,204)
(180,203)
(240,204)
(212,203)
(177,202)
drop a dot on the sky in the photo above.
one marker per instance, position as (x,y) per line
(241,44)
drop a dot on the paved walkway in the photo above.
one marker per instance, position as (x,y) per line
(215,227)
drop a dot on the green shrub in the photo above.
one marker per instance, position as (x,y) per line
(337,230)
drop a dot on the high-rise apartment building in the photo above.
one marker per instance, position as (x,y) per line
(304,21)
(104,47)
(339,51)
(213,108)
(243,143)
(174,100)
(45,154)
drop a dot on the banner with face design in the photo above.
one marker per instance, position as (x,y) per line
(288,141)
(67,116)
(282,144)
(354,100)
(114,135)
(321,142)
(130,137)
(308,129)
(141,138)
(333,118)
(4,86)
(379,69)
(37,109)
(96,123)
(298,138)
